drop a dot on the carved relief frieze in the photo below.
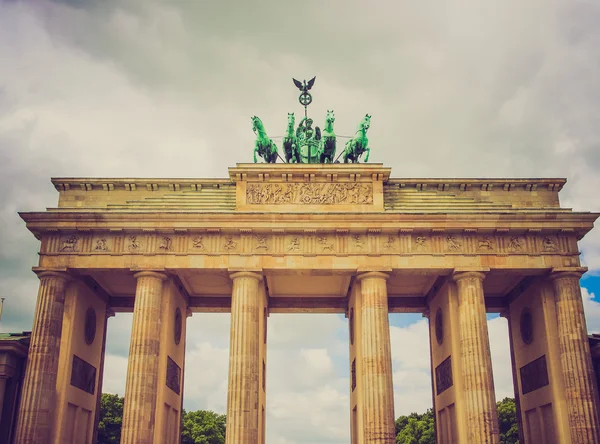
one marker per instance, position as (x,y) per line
(309,242)
(309,193)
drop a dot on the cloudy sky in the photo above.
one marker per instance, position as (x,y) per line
(166,89)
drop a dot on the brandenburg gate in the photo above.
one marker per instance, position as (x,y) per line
(310,238)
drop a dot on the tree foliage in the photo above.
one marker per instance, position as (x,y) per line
(507,419)
(203,427)
(415,429)
(199,427)
(419,429)
(111,419)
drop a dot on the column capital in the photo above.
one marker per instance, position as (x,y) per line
(567,272)
(150,273)
(463,273)
(253,274)
(47,273)
(372,274)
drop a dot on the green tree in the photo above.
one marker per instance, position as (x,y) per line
(507,419)
(415,429)
(203,427)
(111,419)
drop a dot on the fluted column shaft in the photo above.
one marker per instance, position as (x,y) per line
(476,361)
(244,366)
(39,386)
(139,407)
(377,385)
(575,358)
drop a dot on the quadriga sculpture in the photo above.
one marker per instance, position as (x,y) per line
(359,144)
(264,146)
(328,140)
(290,141)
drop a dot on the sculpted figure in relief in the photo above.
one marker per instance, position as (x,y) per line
(197,243)
(101,245)
(134,244)
(261,240)
(485,244)
(165,243)
(230,244)
(70,244)
(549,244)
(453,244)
(310,193)
(294,244)
(515,244)
(325,245)
(358,242)
(421,242)
(390,244)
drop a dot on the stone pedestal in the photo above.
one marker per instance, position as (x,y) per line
(377,385)
(244,365)
(476,362)
(578,374)
(39,387)
(139,410)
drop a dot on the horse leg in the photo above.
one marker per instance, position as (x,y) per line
(367,156)
(255,151)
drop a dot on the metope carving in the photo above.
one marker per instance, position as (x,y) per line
(134,244)
(294,244)
(515,245)
(70,244)
(421,242)
(453,243)
(101,245)
(310,194)
(549,245)
(173,380)
(358,242)
(534,375)
(485,244)
(443,376)
(165,244)
(325,244)
(261,242)
(390,244)
(83,375)
(197,243)
(230,244)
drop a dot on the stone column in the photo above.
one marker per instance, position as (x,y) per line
(139,409)
(244,365)
(39,386)
(476,361)
(377,385)
(575,358)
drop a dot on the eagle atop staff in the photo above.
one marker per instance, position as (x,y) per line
(306,86)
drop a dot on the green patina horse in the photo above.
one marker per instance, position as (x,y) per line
(264,146)
(359,144)
(328,140)
(290,141)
